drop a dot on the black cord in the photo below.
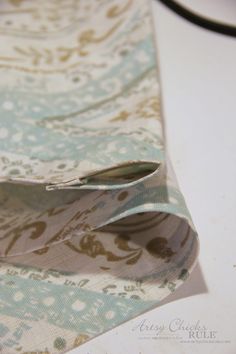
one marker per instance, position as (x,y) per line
(199,20)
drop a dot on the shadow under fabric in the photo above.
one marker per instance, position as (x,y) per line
(93,228)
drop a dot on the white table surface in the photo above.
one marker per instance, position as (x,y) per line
(198,72)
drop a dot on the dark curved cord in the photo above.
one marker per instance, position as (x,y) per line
(199,20)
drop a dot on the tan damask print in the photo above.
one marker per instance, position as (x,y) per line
(93,248)
(117,10)
(63,54)
(148,108)
(36,230)
(37,56)
(80,339)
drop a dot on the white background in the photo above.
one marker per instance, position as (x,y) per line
(198,74)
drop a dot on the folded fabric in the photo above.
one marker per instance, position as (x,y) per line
(93,228)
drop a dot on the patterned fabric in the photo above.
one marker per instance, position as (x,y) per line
(93,228)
